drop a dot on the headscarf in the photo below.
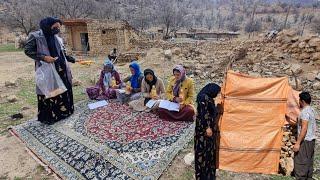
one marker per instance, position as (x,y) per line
(150,83)
(46,23)
(211,90)
(176,87)
(107,75)
(137,73)
(206,108)
(45,26)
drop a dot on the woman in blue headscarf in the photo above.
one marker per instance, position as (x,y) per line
(135,80)
(45,45)
(108,82)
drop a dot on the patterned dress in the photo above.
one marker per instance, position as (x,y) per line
(59,107)
(205,147)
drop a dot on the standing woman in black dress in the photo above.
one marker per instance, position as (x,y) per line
(45,45)
(205,135)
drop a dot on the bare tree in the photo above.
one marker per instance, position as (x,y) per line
(209,22)
(75,8)
(306,20)
(252,26)
(67,8)
(316,25)
(141,15)
(296,17)
(19,14)
(102,11)
(220,20)
(286,19)
(233,26)
(171,16)
(167,16)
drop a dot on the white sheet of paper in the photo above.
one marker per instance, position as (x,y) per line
(121,91)
(151,103)
(171,106)
(97,104)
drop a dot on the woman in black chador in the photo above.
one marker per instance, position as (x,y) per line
(205,133)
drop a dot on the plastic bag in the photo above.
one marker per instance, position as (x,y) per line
(48,80)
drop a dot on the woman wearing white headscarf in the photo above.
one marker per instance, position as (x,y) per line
(109,81)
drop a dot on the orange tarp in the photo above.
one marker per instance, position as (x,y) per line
(254,112)
(293,110)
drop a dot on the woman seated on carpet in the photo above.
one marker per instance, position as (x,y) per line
(133,84)
(108,82)
(152,87)
(180,90)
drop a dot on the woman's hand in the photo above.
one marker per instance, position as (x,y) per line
(178,100)
(181,106)
(129,90)
(49,59)
(209,132)
(155,97)
(115,87)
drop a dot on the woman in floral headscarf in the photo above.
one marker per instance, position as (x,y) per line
(180,90)
(108,82)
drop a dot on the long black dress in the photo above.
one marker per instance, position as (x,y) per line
(53,109)
(205,147)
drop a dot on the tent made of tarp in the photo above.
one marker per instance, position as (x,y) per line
(250,128)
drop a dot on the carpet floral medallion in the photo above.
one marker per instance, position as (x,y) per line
(111,142)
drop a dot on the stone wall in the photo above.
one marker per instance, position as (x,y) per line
(67,38)
(106,35)
(72,37)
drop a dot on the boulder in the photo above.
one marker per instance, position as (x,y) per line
(302,45)
(316,86)
(318,76)
(296,69)
(314,42)
(316,56)
(168,54)
(189,159)
(310,76)
(176,51)
(12,98)
(287,165)
(304,56)
(295,39)
(10,83)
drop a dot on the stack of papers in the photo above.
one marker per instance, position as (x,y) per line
(171,106)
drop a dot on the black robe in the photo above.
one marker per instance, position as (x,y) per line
(205,147)
(53,109)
